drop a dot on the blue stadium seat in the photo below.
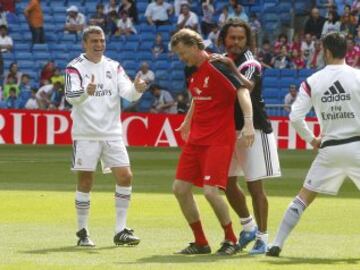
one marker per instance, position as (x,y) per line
(141,7)
(132,38)
(177,75)
(177,65)
(162,65)
(272,72)
(8,56)
(145,56)
(14,28)
(12,18)
(292,73)
(17,38)
(42,56)
(305,72)
(145,28)
(68,38)
(177,86)
(40,48)
(270,82)
(144,105)
(131,46)
(161,74)
(130,65)
(26,64)
(147,37)
(61,63)
(22,55)
(146,46)
(285,82)
(271,93)
(58,48)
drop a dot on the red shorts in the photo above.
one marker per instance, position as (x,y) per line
(205,164)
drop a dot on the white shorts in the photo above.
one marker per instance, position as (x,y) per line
(331,166)
(86,155)
(257,162)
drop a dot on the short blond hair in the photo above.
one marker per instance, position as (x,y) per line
(91,30)
(187,37)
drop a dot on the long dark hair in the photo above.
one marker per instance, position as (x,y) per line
(235,23)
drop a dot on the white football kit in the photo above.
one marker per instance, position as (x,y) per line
(97,129)
(334,92)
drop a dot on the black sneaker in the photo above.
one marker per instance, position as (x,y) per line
(84,240)
(227,248)
(126,237)
(274,251)
(193,248)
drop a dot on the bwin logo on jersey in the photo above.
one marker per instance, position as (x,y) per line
(108,75)
(335,93)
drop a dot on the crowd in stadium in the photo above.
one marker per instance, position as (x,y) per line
(148,25)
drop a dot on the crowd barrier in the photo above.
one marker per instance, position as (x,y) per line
(139,129)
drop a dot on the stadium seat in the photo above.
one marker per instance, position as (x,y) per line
(26,64)
(145,56)
(146,46)
(22,47)
(58,48)
(141,7)
(270,82)
(272,72)
(285,82)
(177,65)
(42,56)
(8,56)
(177,75)
(161,74)
(305,72)
(131,46)
(147,37)
(292,73)
(40,48)
(130,65)
(22,55)
(162,65)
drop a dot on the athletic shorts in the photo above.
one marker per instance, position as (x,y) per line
(258,161)
(86,155)
(204,165)
(331,166)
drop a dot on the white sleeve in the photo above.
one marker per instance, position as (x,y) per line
(126,87)
(74,90)
(299,109)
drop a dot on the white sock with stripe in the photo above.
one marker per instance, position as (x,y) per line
(248,223)
(122,201)
(82,205)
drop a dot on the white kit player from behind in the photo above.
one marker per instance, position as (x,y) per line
(94,84)
(334,92)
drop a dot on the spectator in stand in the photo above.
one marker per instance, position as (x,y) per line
(24,91)
(348,21)
(314,24)
(290,98)
(75,21)
(307,47)
(6,42)
(255,27)
(130,7)
(352,53)
(58,76)
(47,72)
(158,12)
(213,37)
(282,60)
(146,74)
(265,55)
(11,83)
(182,104)
(3,19)
(296,43)
(187,19)
(357,38)
(207,20)
(57,99)
(239,13)
(317,57)
(111,23)
(282,40)
(232,5)
(9,5)
(163,101)
(43,95)
(111,6)
(11,101)
(177,6)
(34,15)
(223,16)
(158,47)
(297,60)
(331,24)
(99,17)
(125,25)
(13,72)
(32,103)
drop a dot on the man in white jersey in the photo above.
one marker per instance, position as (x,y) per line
(94,84)
(334,92)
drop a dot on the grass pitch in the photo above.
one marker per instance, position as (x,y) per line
(37,217)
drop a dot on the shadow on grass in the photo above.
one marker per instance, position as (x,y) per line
(177,258)
(313,261)
(92,250)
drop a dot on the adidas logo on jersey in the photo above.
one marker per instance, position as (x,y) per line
(335,93)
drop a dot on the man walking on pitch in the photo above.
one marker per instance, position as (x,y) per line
(260,161)
(94,84)
(334,92)
(205,157)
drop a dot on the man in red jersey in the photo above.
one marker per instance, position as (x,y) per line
(206,156)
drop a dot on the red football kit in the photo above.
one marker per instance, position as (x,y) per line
(206,156)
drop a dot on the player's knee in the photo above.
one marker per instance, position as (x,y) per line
(210,193)
(180,189)
(125,178)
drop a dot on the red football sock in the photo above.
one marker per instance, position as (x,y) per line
(229,233)
(200,238)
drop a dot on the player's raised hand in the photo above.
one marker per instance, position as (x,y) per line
(140,84)
(91,87)
(184,130)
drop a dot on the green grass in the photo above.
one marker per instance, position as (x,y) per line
(37,217)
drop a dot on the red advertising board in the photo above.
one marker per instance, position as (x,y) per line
(139,129)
